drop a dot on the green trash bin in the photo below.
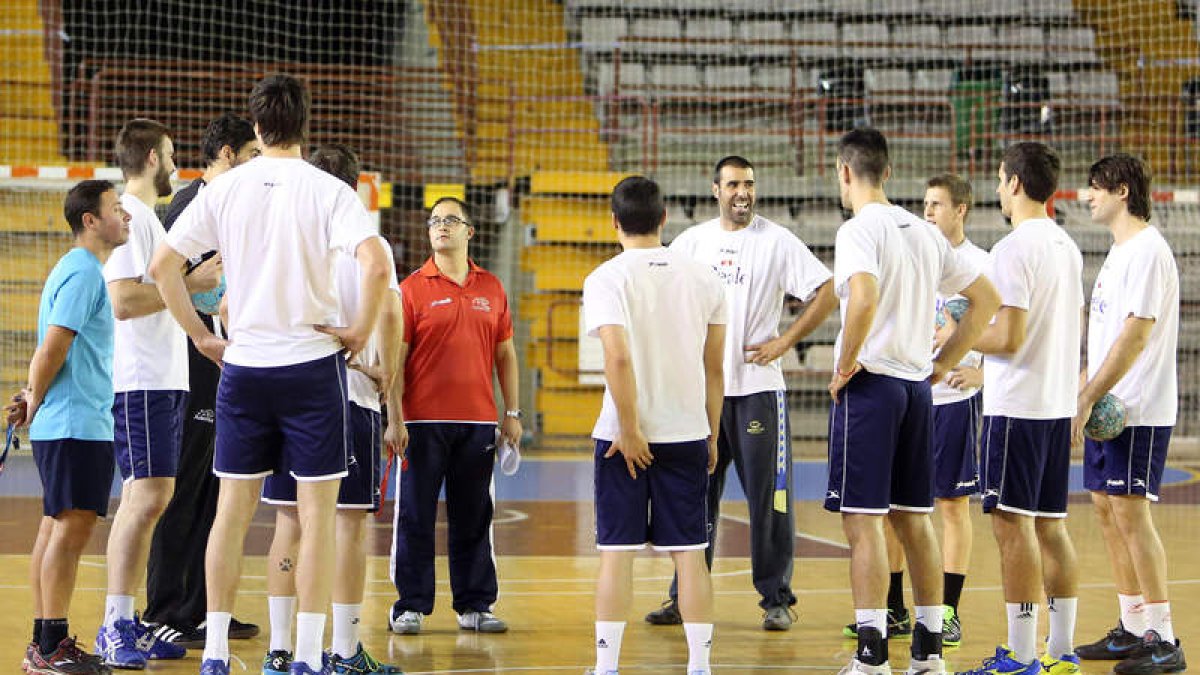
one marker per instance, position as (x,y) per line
(974,92)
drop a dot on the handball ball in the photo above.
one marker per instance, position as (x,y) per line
(1107,420)
(955,308)
(209,302)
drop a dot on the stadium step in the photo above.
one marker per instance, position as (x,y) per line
(569,411)
(32,211)
(559,267)
(27,116)
(551,315)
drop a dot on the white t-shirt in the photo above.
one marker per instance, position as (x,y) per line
(361,388)
(1139,278)
(149,352)
(758,264)
(279,224)
(666,302)
(1037,268)
(942,392)
(912,263)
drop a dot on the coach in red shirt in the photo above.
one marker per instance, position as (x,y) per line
(457,331)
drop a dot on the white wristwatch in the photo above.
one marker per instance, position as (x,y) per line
(515,414)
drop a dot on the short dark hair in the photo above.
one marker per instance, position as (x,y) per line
(958,187)
(735,161)
(865,151)
(637,203)
(84,198)
(448,198)
(1036,165)
(134,142)
(228,129)
(339,161)
(1111,172)
(279,105)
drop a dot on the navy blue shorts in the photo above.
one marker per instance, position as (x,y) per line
(1026,465)
(956,447)
(1130,464)
(76,475)
(148,432)
(287,418)
(666,506)
(881,446)
(360,487)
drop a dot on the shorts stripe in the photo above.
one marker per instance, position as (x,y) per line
(780,502)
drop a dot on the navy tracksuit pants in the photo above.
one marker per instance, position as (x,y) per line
(462,456)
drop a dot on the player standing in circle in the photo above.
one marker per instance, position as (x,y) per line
(889,266)
(1031,374)
(150,378)
(1133,327)
(67,405)
(452,307)
(660,317)
(760,262)
(279,224)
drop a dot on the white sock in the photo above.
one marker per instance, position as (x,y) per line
(345,629)
(1062,627)
(872,618)
(699,639)
(282,609)
(216,640)
(1158,619)
(310,635)
(931,617)
(1133,616)
(608,645)
(116,608)
(1022,630)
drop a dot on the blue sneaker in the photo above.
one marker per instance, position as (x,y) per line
(277,662)
(117,646)
(301,668)
(1003,663)
(362,663)
(152,646)
(214,667)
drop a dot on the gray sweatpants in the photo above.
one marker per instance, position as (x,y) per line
(756,438)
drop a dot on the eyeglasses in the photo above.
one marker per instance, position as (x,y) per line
(449,221)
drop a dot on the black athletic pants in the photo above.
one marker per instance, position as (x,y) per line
(175,592)
(756,439)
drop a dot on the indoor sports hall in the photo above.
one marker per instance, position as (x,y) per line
(530,111)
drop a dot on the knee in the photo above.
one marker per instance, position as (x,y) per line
(73,529)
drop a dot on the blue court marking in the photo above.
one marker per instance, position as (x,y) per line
(562,480)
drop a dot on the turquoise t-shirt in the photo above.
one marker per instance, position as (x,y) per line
(80,399)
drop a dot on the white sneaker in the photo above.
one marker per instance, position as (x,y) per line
(856,667)
(590,671)
(931,666)
(408,623)
(482,622)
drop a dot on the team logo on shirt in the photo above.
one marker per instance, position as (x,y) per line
(443,301)
(755,427)
(481,304)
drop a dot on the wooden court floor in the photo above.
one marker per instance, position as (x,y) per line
(547,568)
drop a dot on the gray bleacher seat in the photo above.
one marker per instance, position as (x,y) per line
(854,8)
(1059,86)
(601,33)
(887,81)
(709,29)
(1095,86)
(894,7)
(633,75)
(1050,10)
(974,41)
(816,31)
(932,81)
(866,40)
(775,6)
(915,41)
(780,78)
(1025,44)
(1071,45)
(674,76)
(727,77)
(763,30)
(656,28)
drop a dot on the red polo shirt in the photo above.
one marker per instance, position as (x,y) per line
(452,332)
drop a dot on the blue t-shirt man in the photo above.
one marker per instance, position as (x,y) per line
(79,402)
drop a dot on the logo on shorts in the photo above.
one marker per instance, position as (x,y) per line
(755,427)
(443,301)
(966,483)
(481,304)
(205,415)
(1114,482)
(832,494)
(1138,482)
(991,493)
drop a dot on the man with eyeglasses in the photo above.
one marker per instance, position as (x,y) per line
(457,331)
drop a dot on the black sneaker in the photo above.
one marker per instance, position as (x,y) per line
(183,635)
(1118,645)
(899,625)
(667,615)
(1158,656)
(242,631)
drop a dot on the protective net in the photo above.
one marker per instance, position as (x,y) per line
(534,108)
